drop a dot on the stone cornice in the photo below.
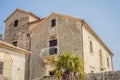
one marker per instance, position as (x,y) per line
(29,13)
(9,46)
(96,36)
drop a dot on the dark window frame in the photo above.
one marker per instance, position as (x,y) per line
(16,23)
(53,51)
(15,43)
(51,73)
(52,44)
(108,63)
(53,22)
(91,46)
(101,58)
(1,68)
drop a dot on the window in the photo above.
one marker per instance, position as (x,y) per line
(1,68)
(108,62)
(16,23)
(53,43)
(53,49)
(53,23)
(91,46)
(15,43)
(101,63)
(51,73)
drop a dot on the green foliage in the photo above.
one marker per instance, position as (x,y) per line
(1,32)
(66,62)
(0,35)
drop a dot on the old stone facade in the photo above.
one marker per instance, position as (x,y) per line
(17,25)
(12,62)
(50,36)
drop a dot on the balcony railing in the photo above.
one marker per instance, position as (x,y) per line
(50,51)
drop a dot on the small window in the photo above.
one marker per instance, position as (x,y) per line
(51,73)
(16,23)
(53,43)
(101,62)
(15,43)
(1,68)
(53,48)
(108,62)
(53,23)
(91,46)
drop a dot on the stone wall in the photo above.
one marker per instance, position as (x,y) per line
(14,64)
(111,75)
(98,58)
(17,33)
(69,35)
(68,38)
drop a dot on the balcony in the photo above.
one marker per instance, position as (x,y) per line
(48,53)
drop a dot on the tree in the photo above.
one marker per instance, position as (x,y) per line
(68,66)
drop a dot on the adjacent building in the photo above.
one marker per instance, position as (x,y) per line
(12,62)
(50,36)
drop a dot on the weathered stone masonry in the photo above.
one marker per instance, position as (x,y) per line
(111,75)
(71,34)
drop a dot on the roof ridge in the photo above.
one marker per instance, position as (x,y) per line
(57,14)
(97,37)
(17,9)
(13,47)
(65,15)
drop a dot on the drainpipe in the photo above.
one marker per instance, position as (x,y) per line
(112,61)
(82,23)
(28,60)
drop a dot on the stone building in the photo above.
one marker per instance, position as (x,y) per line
(50,36)
(12,62)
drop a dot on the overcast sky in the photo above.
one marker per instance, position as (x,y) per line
(102,15)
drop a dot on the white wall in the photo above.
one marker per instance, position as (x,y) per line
(92,59)
(17,64)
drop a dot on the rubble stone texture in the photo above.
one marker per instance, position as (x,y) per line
(111,75)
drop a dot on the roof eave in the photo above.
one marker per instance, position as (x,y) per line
(29,13)
(95,35)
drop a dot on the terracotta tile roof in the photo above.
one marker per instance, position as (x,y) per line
(10,46)
(29,13)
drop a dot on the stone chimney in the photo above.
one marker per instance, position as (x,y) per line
(0,36)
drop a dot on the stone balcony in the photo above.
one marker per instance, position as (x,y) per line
(49,53)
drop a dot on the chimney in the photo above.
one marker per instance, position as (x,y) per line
(0,36)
